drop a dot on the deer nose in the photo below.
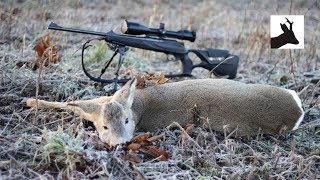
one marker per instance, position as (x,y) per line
(117,142)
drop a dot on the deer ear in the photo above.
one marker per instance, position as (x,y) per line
(88,110)
(284,27)
(126,94)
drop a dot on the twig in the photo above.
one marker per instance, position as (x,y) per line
(39,175)
(189,138)
(304,170)
(288,146)
(273,68)
(292,68)
(38,88)
(290,7)
(6,125)
(209,74)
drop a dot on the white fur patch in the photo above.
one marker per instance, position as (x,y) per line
(298,100)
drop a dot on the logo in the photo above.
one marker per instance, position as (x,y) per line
(287,31)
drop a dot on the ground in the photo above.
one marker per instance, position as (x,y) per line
(54,144)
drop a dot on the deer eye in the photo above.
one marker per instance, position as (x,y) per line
(105,127)
(127,120)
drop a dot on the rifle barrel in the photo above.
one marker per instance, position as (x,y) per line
(55,26)
(153,44)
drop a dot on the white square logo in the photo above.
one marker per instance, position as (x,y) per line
(287,31)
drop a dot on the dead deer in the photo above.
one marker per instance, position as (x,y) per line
(286,37)
(245,108)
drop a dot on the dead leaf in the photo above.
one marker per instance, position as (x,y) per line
(154,138)
(46,53)
(162,80)
(131,156)
(140,138)
(141,82)
(151,79)
(39,48)
(142,143)
(133,146)
(150,75)
(46,41)
(154,152)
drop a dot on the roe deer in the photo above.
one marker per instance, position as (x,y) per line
(248,108)
(286,37)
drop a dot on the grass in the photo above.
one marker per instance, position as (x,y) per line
(61,148)
(99,52)
(51,144)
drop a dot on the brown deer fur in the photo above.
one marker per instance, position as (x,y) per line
(246,108)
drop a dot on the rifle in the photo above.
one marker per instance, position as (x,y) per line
(158,40)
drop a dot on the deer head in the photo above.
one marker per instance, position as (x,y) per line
(115,123)
(286,37)
(288,33)
(112,117)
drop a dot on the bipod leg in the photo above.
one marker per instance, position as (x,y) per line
(121,51)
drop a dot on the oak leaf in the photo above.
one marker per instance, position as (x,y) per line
(140,138)
(141,81)
(154,152)
(155,138)
(143,143)
(133,146)
(46,53)
(131,156)
(150,75)
(151,79)
(161,79)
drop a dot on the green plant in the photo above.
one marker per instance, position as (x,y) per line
(62,148)
(98,52)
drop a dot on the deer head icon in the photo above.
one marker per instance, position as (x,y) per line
(286,37)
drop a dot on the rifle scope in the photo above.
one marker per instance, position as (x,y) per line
(138,29)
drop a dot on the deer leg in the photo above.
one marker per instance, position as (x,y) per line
(41,104)
(63,105)
(44,104)
(88,109)
(103,99)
